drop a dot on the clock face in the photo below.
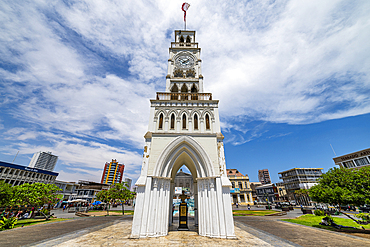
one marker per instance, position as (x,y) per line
(184,61)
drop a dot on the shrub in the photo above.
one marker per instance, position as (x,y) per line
(363,216)
(319,212)
(7,223)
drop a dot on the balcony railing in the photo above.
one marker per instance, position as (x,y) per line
(184,96)
(183,44)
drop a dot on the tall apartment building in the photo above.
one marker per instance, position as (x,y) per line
(354,160)
(264,176)
(128,181)
(43,160)
(112,173)
(299,178)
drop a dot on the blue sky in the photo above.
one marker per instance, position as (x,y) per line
(76,77)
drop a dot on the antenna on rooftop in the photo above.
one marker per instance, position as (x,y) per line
(333,150)
(15,156)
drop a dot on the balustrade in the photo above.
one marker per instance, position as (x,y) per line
(184,96)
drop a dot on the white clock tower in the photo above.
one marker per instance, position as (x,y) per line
(184,129)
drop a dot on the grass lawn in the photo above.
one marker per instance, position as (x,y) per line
(312,220)
(252,212)
(29,222)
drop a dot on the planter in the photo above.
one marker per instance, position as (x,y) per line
(307,211)
(285,209)
(291,208)
(268,207)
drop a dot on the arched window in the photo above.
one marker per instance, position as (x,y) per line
(182,39)
(175,89)
(188,41)
(184,88)
(195,121)
(207,122)
(183,121)
(194,88)
(160,121)
(173,121)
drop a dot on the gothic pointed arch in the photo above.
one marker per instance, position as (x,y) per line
(208,125)
(195,121)
(194,88)
(181,39)
(207,112)
(175,148)
(172,126)
(174,88)
(188,39)
(183,111)
(183,121)
(184,88)
(160,124)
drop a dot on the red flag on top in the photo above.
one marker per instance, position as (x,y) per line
(185,7)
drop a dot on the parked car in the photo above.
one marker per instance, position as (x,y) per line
(365,208)
(348,207)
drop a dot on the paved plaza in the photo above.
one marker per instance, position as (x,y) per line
(115,231)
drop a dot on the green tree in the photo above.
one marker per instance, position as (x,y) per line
(105,196)
(121,192)
(36,194)
(341,186)
(6,194)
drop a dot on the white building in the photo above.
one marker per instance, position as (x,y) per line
(128,181)
(43,160)
(18,175)
(184,129)
(354,160)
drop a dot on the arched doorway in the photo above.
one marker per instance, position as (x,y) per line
(211,193)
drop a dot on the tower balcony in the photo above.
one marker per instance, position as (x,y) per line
(183,44)
(184,96)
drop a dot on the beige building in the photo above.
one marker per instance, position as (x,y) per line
(241,191)
(354,160)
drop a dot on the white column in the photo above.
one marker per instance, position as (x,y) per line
(178,125)
(207,209)
(136,223)
(214,210)
(166,124)
(172,188)
(238,196)
(146,206)
(230,233)
(152,219)
(168,202)
(220,208)
(195,188)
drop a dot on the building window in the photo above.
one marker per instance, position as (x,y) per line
(348,164)
(195,121)
(361,161)
(207,122)
(183,121)
(240,185)
(160,121)
(173,121)
(232,184)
